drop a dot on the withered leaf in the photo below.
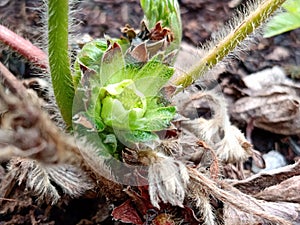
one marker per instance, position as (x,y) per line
(268,107)
(288,191)
(258,182)
(253,211)
(267,78)
(137,54)
(127,213)
(272,103)
(288,211)
(245,209)
(141,200)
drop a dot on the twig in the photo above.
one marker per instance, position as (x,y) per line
(23,47)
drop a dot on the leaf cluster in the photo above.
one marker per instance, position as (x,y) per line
(121,98)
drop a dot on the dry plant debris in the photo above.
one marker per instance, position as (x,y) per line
(270,91)
(54,158)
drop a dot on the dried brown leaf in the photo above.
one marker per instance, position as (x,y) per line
(126,213)
(273,108)
(258,182)
(268,78)
(272,103)
(140,199)
(288,191)
(242,203)
(288,211)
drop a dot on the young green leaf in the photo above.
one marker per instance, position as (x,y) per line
(90,58)
(284,21)
(121,104)
(156,119)
(152,77)
(136,136)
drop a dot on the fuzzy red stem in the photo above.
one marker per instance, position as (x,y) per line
(23,47)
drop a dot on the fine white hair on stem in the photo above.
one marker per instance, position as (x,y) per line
(231,39)
(201,200)
(42,42)
(244,45)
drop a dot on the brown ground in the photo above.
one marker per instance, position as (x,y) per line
(97,17)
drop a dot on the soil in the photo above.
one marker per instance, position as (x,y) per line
(200,19)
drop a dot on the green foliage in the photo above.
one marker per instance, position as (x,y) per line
(90,56)
(123,97)
(284,21)
(117,98)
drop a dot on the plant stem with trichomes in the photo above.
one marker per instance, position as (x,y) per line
(59,60)
(230,42)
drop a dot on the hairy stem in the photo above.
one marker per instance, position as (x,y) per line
(232,40)
(59,61)
(23,47)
